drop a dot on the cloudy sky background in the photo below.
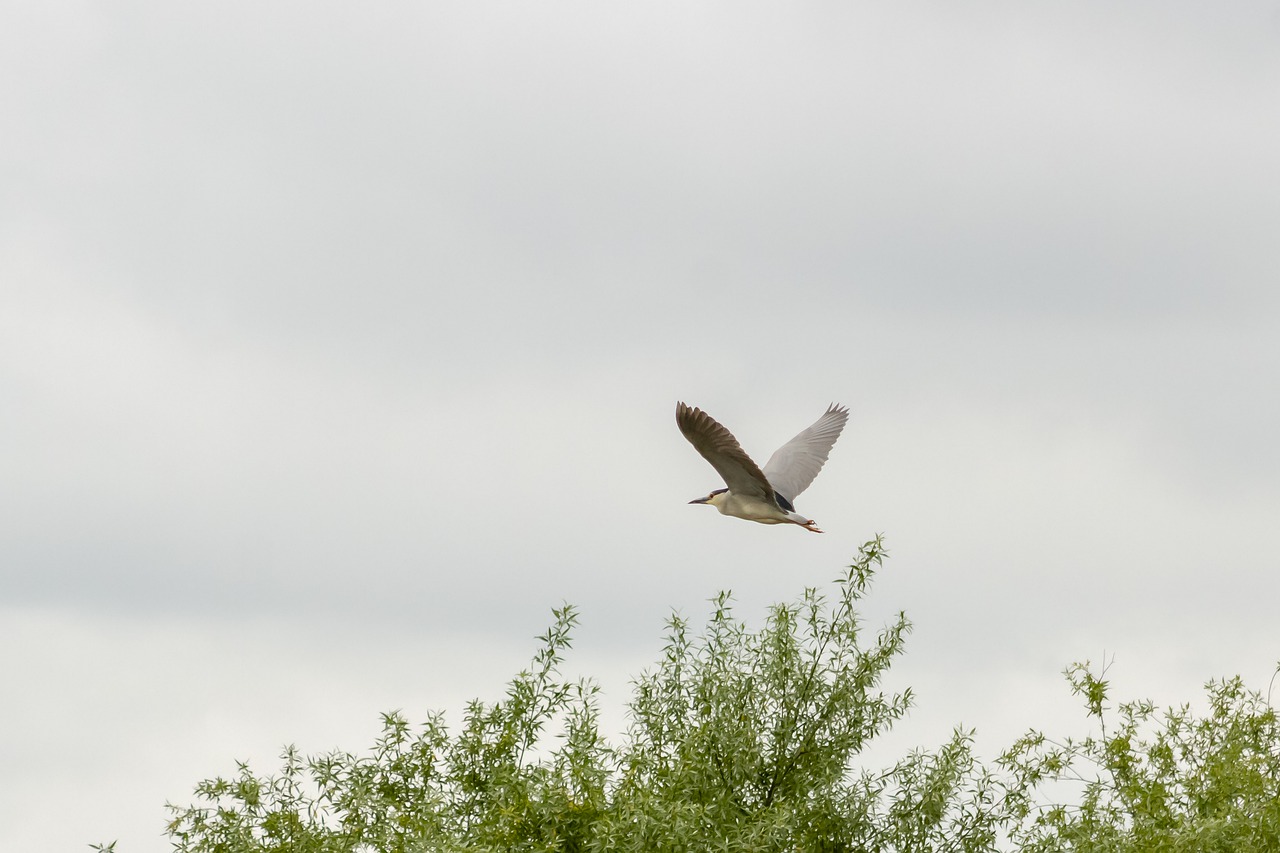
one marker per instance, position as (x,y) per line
(339,343)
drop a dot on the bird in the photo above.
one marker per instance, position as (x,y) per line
(764,496)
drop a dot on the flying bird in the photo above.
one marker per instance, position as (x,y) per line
(764,496)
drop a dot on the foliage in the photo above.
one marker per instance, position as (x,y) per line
(1167,781)
(744,739)
(425,790)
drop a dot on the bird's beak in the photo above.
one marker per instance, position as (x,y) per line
(698,501)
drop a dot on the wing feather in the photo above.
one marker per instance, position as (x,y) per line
(795,464)
(718,446)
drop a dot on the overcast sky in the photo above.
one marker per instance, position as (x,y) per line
(339,343)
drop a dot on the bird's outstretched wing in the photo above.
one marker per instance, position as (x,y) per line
(793,466)
(718,446)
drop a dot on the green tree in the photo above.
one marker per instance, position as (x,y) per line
(1148,780)
(744,739)
(739,739)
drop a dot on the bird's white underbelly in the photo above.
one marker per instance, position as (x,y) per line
(754,509)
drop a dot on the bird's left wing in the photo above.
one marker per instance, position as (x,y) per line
(793,466)
(718,446)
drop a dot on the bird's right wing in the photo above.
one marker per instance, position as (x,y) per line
(718,446)
(793,466)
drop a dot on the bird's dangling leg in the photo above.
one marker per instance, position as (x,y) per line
(811,526)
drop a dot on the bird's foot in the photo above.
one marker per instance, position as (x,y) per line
(811,526)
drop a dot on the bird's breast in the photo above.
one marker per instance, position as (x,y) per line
(752,509)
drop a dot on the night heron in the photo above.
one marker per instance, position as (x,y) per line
(764,496)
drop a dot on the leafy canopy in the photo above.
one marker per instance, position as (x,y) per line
(744,739)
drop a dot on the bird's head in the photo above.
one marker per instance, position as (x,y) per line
(714,499)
